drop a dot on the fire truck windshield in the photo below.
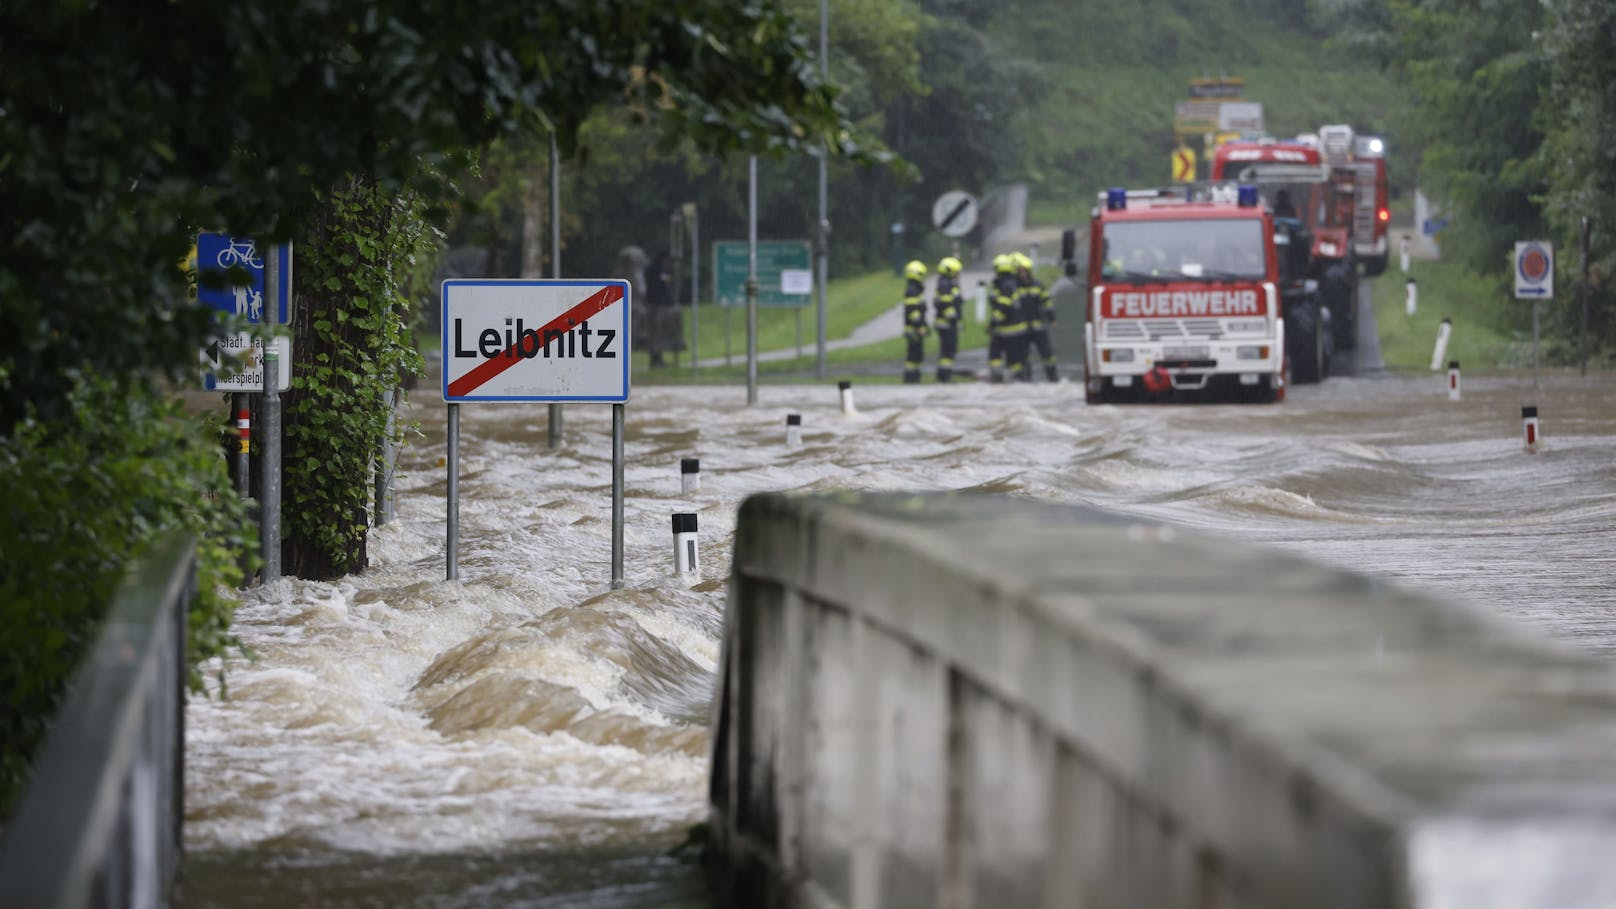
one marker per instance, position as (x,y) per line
(1210,249)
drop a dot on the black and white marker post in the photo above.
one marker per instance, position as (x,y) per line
(1529,425)
(846,389)
(690,475)
(793,429)
(1453,380)
(1412,301)
(684,544)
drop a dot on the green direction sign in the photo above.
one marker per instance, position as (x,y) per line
(785,274)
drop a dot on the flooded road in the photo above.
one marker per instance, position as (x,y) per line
(526,736)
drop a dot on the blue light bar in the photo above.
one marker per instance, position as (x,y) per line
(1248,195)
(1116,198)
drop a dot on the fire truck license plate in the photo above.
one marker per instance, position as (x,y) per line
(1186,353)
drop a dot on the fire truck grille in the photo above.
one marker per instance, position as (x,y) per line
(1160,329)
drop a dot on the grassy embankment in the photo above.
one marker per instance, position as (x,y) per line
(849,303)
(1491,330)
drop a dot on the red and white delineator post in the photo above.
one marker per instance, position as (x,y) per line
(1529,426)
(1453,380)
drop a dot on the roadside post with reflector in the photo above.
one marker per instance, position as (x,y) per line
(689,475)
(1529,426)
(1453,380)
(794,429)
(1411,302)
(684,544)
(1442,332)
(845,389)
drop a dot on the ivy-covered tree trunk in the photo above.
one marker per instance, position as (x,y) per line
(351,344)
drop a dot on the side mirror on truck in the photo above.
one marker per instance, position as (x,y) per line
(1069,252)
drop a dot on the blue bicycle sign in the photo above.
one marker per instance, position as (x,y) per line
(219,253)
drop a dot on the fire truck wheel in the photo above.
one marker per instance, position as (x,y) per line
(1374,265)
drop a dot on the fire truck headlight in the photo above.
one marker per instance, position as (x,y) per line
(1117,355)
(1251,352)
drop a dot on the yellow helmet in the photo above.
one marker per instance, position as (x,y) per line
(949,266)
(1022,260)
(915,270)
(1003,263)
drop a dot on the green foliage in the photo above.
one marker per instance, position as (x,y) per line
(120,466)
(1491,330)
(368,252)
(1580,156)
(1476,82)
(126,125)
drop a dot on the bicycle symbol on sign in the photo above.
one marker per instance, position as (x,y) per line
(240,252)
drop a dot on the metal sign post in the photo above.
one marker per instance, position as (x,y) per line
(536,340)
(452,563)
(1534,280)
(269,500)
(617,496)
(689,209)
(751,281)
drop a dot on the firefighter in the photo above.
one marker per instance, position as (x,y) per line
(914,320)
(945,303)
(1032,300)
(1007,333)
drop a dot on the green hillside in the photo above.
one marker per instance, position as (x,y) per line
(1109,76)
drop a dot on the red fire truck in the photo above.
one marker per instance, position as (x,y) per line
(1339,196)
(1197,292)
(1365,158)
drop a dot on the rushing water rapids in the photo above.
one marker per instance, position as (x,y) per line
(528,736)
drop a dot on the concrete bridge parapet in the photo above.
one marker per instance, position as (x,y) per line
(959,700)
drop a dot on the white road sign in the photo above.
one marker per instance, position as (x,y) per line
(536,340)
(796,281)
(954,213)
(247,370)
(1534,270)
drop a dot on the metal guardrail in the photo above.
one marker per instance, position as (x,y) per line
(100,824)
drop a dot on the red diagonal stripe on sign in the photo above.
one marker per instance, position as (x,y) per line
(495,365)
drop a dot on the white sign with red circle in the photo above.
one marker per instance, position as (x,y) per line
(558,340)
(1534,270)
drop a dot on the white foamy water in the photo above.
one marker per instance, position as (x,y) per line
(404,740)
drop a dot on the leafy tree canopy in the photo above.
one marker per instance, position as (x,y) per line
(125,126)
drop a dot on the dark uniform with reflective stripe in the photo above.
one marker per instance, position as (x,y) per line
(1007,347)
(946,317)
(914,329)
(1033,302)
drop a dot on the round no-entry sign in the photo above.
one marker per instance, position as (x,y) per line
(1534,270)
(954,213)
